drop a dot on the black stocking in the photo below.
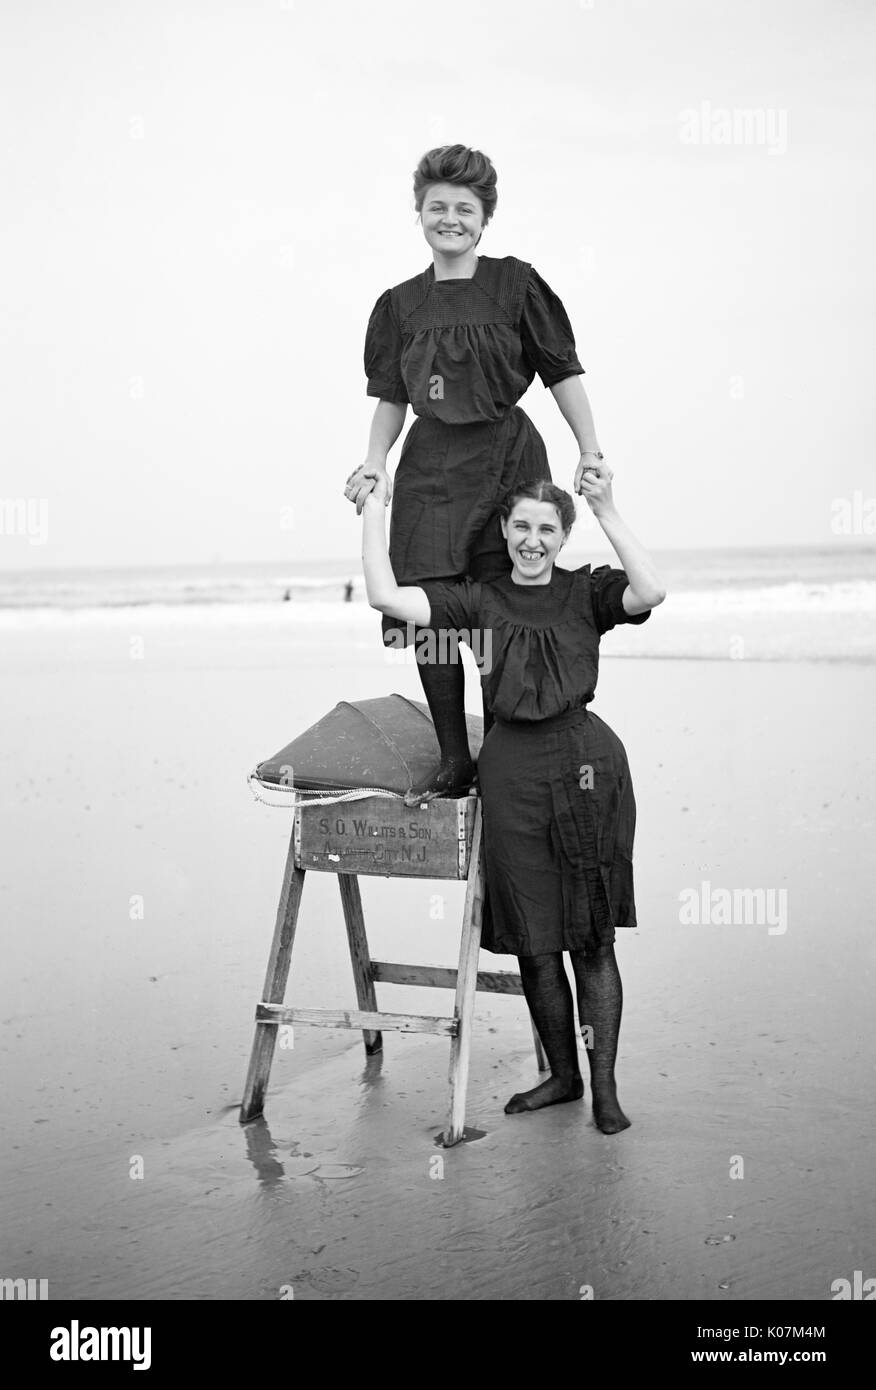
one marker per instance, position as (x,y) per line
(444,687)
(547,992)
(600,1002)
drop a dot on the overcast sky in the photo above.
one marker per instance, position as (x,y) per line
(203,199)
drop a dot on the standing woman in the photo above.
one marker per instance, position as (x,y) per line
(559,811)
(461,342)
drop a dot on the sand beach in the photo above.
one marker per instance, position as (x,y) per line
(138,895)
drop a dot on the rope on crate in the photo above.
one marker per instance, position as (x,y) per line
(291,796)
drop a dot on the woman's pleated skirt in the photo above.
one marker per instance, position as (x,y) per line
(559,820)
(444,523)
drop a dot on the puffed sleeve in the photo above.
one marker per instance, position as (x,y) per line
(606,597)
(383,345)
(453,605)
(546,333)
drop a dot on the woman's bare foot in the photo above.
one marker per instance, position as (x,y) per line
(555,1091)
(452,777)
(606,1109)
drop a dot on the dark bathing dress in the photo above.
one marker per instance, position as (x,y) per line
(558,840)
(462,352)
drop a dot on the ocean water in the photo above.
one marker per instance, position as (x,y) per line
(777,577)
(778,603)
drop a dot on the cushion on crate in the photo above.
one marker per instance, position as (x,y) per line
(388,743)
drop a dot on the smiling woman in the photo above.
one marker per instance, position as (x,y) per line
(454,210)
(460,343)
(559,810)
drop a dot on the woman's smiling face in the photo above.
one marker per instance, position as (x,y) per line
(453,218)
(535,538)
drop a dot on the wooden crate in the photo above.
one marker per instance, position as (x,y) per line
(380,835)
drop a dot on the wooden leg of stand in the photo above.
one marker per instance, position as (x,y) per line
(354,920)
(466,989)
(541,1060)
(275,988)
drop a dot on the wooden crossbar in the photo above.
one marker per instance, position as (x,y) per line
(359,1019)
(388,972)
(367,1018)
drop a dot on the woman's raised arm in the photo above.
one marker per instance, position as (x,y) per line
(409,603)
(644,589)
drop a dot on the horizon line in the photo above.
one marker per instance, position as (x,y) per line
(839,544)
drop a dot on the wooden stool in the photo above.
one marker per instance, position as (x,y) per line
(380,835)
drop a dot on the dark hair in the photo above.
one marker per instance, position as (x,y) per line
(541,490)
(460,165)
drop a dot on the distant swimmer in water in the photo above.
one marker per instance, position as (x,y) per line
(287,595)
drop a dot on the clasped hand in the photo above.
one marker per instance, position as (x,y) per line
(368,478)
(593,483)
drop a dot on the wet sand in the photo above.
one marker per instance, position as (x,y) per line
(127,1037)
